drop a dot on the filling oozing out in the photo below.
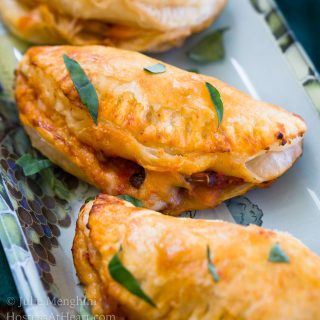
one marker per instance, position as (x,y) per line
(212,179)
(203,187)
(134,174)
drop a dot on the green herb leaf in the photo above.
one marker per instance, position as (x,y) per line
(156,68)
(134,201)
(212,269)
(278,255)
(58,187)
(84,87)
(193,70)
(84,311)
(216,99)
(209,49)
(61,190)
(124,277)
(31,166)
(89,199)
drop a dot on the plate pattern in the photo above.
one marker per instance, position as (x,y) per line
(32,217)
(33,213)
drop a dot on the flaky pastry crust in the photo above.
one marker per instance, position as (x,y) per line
(167,256)
(142,25)
(164,125)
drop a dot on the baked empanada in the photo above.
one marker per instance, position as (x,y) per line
(259,274)
(157,137)
(153,25)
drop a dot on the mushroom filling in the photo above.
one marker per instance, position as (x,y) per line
(137,179)
(213,179)
(206,179)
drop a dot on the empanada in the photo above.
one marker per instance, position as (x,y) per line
(157,137)
(152,25)
(167,256)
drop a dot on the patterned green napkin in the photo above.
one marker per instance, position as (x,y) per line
(7,287)
(303,18)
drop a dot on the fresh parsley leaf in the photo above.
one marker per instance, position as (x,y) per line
(209,49)
(193,70)
(57,186)
(134,201)
(216,99)
(31,166)
(278,255)
(84,87)
(156,68)
(212,269)
(124,277)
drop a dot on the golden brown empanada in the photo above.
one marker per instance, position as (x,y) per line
(157,137)
(167,256)
(152,25)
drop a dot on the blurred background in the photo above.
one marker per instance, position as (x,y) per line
(303,18)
